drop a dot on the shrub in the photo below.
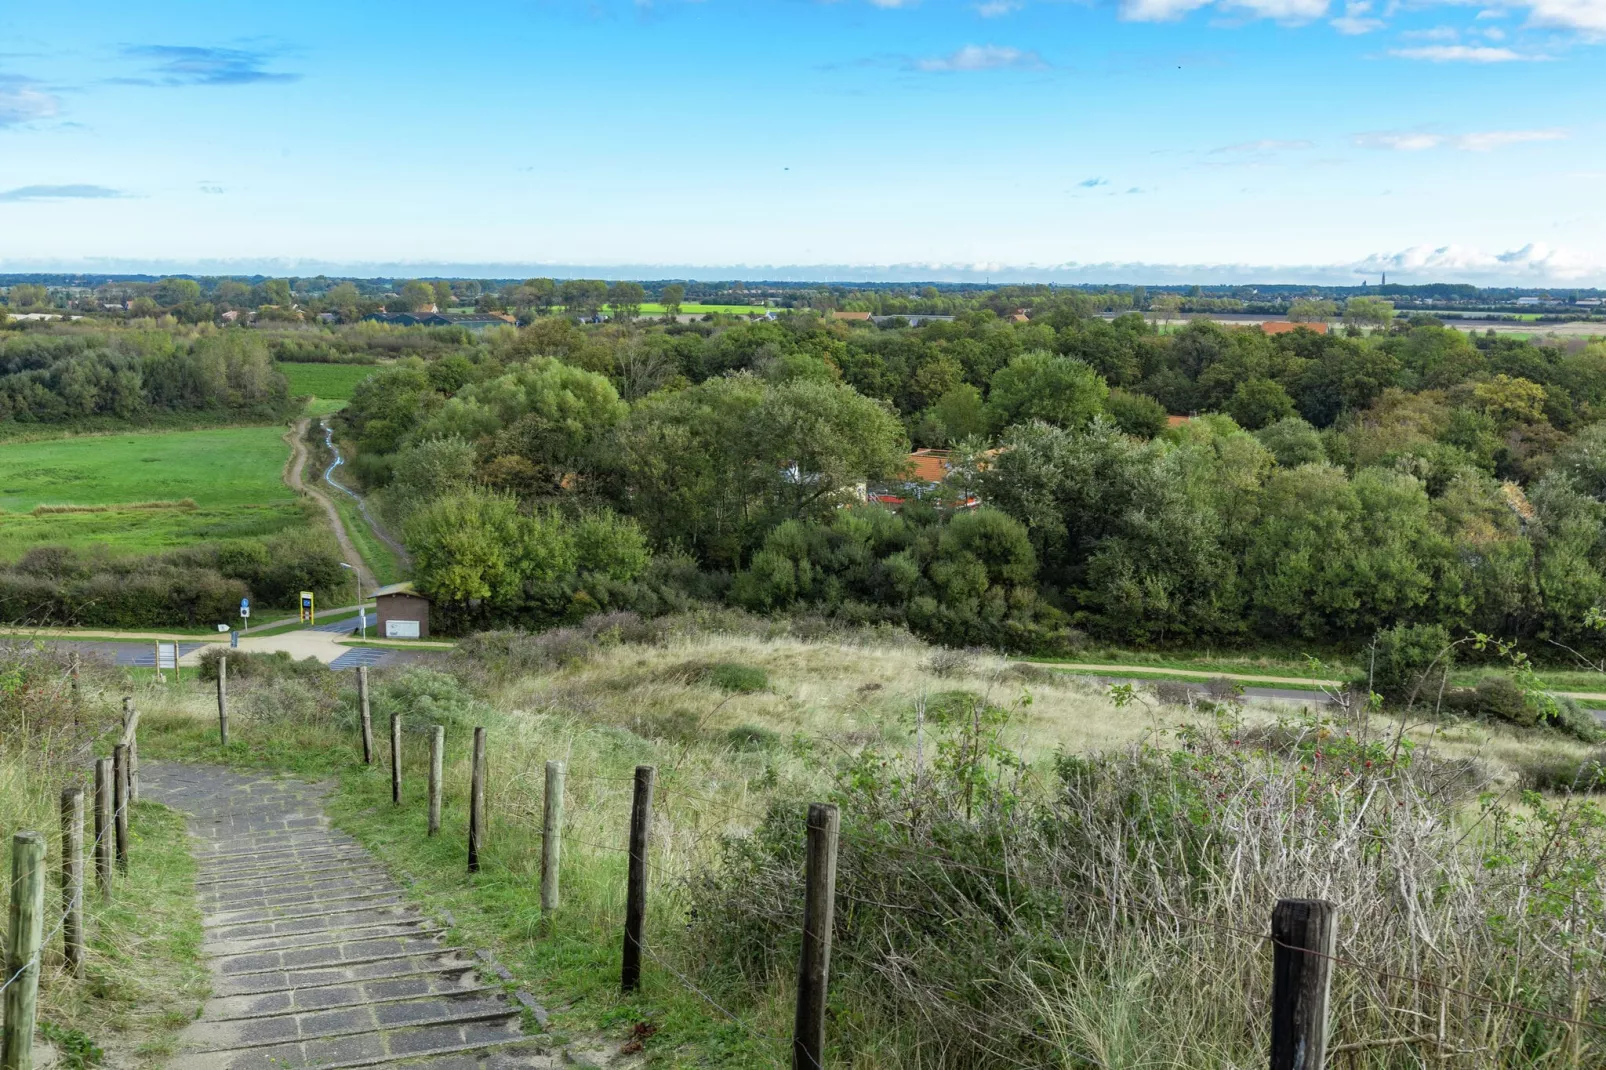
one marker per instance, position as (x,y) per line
(1409,663)
(738,679)
(1566,774)
(426,697)
(751,737)
(946,662)
(246,665)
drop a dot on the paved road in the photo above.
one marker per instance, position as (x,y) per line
(317,957)
(141,655)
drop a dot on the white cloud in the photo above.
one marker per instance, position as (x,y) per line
(22,103)
(1158,10)
(1293,11)
(1586,15)
(1535,261)
(992,9)
(1462,54)
(1357,19)
(1265,145)
(1477,141)
(1498,139)
(1436,33)
(981,58)
(1400,140)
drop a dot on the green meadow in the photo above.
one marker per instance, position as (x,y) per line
(231,475)
(332,382)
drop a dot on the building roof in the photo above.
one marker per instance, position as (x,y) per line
(929,466)
(1284,326)
(836,315)
(399,588)
(1177,421)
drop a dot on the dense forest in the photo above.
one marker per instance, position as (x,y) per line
(1316,488)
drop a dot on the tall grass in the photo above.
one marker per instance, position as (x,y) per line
(1029,875)
(143,978)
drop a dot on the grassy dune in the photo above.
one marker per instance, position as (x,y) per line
(741,728)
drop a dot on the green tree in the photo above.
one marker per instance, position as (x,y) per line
(1368,312)
(1137,414)
(27,295)
(582,298)
(1042,386)
(476,545)
(417,296)
(177,291)
(1293,442)
(1311,310)
(1259,403)
(957,415)
(671,297)
(625,299)
(443,294)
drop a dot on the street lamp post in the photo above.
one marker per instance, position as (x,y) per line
(362,614)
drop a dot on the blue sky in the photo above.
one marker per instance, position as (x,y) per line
(1102,141)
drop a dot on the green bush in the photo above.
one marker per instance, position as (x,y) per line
(246,665)
(1409,661)
(738,679)
(750,737)
(426,697)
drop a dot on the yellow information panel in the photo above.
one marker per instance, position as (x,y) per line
(308,616)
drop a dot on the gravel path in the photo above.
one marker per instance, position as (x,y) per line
(317,958)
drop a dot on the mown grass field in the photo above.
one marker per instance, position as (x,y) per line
(327,382)
(231,474)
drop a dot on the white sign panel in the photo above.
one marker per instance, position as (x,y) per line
(167,655)
(401,629)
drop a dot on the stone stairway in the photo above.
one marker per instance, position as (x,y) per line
(318,960)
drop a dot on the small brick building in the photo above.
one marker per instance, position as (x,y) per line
(403,612)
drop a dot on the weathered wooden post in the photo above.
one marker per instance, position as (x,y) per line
(120,803)
(1304,934)
(437,759)
(131,737)
(367,720)
(551,837)
(22,951)
(819,915)
(395,758)
(72,878)
(476,803)
(103,826)
(74,663)
(223,701)
(636,889)
(157,647)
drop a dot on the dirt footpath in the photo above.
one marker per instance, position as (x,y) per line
(292,478)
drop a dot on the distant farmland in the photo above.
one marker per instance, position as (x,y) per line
(232,475)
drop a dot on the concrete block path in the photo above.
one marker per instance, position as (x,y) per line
(317,958)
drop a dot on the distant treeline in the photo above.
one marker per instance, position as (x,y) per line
(59,378)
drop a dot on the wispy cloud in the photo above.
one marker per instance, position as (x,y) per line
(59,193)
(1464,54)
(992,9)
(23,102)
(1093,183)
(1357,19)
(982,58)
(1587,16)
(1264,145)
(173,65)
(1480,141)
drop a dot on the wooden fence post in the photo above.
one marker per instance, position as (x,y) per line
(223,701)
(437,761)
(157,646)
(819,916)
(367,721)
(120,803)
(23,951)
(131,737)
(103,826)
(72,878)
(476,803)
(74,663)
(395,758)
(1304,934)
(551,837)
(636,890)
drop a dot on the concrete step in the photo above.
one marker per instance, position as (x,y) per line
(313,977)
(350,917)
(244,1033)
(449,981)
(361,1049)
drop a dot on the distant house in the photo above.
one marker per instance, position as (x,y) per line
(839,315)
(1286,326)
(1177,421)
(230,316)
(474,321)
(1528,302)
(1018,316)
(924,475)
